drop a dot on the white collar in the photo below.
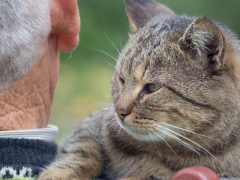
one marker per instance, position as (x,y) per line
(46,134)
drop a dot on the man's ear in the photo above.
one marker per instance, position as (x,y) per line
(140,12)
(204,40)
(65,23)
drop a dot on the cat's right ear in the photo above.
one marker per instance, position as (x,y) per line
(140,12)
(204,41)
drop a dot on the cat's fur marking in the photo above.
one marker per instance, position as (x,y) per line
(192,119)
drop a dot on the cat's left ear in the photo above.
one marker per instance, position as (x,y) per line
(205,41)
(140,12)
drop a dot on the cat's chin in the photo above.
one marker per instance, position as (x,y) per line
(141,134)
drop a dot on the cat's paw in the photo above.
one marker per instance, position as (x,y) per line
(59,174)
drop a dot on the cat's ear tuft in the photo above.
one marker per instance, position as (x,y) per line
(141,11)
(204,40)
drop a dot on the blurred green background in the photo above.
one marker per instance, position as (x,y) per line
(84,81)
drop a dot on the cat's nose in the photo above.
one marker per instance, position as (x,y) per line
(122,113)
(123,110)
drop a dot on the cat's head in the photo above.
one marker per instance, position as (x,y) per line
(176,77)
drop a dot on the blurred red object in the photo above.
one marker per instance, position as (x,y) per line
(195,173)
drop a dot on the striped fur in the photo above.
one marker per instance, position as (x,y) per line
(193,119)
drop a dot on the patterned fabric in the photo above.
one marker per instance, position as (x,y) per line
(25,159)
(19,173)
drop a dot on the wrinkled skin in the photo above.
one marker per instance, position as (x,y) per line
(26,104)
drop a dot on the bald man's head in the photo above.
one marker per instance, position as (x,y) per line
(24,27)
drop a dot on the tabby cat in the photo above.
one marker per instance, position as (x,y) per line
(176,99)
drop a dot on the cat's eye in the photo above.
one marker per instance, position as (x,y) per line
(151,88)
(121,80)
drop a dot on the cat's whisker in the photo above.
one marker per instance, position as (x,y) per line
(155,144)
(172,132)
(115,46)
(148,134)
(207,120)
(115,126)
(112,43)
(110,121)
(145,131)
(106,115)
(151,137)
(197,134)
(111,127)
(110,64)
(109,109)
(106,54)
(178,139)
(200,146)
(119,131)
(164,141)
(120,42)
(185,144)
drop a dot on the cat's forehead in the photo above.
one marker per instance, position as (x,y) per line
(152,46)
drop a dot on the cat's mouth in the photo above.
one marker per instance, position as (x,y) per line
(140,133)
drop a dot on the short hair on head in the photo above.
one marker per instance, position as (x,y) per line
(24,27)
